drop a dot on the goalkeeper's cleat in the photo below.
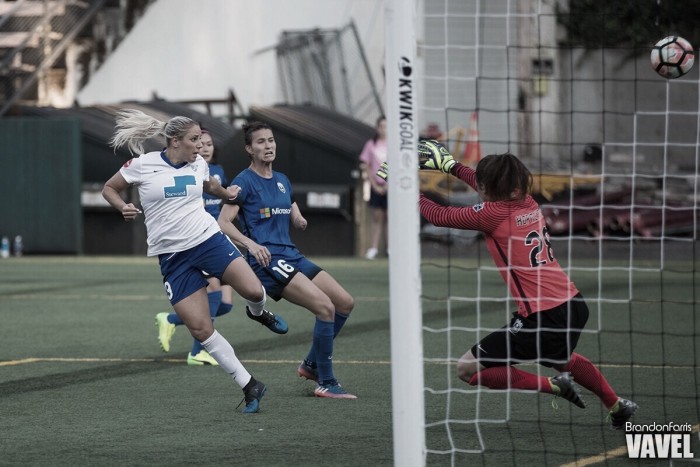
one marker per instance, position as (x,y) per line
(307,371)
(273,322)
(252,394)
(166,329)
(371,253)
(434,156)
(333,391)
(621,413)
(202,358)
(383,171)
(563,386)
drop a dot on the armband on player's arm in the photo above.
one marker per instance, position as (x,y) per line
(232,193)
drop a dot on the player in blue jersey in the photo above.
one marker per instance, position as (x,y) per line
(185,238)
(265,208)
(212,204)
(220,295)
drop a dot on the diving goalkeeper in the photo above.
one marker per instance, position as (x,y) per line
(551,313)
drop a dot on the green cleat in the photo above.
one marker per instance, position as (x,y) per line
(165,331)
(202,358)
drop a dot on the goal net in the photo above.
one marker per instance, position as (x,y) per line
(614,150)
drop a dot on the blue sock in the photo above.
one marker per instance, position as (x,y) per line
(214,302)
(173,318)
(224,308)
(337,326)
(196,347)
(323,341)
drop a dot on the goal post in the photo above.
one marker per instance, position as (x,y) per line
(403,234)
(614,152)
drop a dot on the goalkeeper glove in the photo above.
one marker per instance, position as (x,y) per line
(383,171)
(434,156)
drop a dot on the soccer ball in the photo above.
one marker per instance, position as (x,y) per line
(672,57)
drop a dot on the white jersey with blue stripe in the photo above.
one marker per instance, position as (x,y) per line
(171,199)
(265,209)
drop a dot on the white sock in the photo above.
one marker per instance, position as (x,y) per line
(256,309)
(220,349)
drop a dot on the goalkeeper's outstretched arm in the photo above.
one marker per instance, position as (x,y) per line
(466,174)
(432,155)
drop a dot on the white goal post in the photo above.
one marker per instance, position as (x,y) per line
(403,236)
(614,149)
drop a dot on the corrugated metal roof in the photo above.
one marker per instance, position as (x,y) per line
(100,161)
(337,137)
(316,124)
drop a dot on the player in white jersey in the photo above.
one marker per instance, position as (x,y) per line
(183,235)
(220,296)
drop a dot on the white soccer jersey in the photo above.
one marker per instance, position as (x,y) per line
(171,199)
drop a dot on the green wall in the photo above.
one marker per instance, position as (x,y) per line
(40,183)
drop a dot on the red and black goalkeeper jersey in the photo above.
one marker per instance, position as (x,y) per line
(518,241)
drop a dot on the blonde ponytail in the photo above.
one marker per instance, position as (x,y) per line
(133,128)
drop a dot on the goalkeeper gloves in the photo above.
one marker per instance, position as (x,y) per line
(431,156)
(434,156)
(383,171)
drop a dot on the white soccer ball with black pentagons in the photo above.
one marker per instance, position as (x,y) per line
(672,57)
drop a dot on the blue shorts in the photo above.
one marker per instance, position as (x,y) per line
(183,271)
(281,270)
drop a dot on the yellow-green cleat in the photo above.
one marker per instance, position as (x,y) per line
(165,331)
(202,358)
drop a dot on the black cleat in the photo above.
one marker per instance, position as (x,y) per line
(563,386)
(252,396)
(268,319)
(621,413)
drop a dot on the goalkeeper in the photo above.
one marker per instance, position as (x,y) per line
(551,313)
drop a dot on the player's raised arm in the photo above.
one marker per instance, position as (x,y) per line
(432,155)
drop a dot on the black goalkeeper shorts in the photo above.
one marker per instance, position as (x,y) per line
(546,337)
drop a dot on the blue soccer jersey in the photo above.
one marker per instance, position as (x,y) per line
(212,204)
(265,209)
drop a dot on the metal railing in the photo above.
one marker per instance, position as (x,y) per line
(49,27)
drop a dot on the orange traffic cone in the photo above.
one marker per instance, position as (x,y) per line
(472,153)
